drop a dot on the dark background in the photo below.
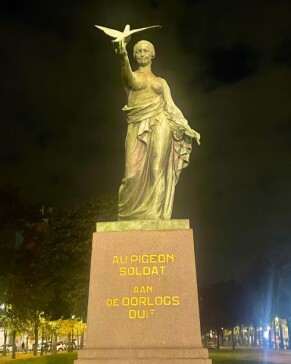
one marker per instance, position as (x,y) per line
(228,64)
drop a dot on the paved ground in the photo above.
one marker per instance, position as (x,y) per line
(277,356)
(254,355)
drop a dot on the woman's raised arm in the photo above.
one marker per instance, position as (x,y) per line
(127,75)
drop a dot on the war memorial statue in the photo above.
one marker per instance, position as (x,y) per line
(158,141)
(143,301)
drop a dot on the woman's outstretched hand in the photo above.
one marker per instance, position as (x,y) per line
(120,47)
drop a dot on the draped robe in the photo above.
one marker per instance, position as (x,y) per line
(157,148)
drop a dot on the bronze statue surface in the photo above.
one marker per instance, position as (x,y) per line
(158,141)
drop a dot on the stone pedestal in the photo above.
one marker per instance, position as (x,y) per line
(143,303)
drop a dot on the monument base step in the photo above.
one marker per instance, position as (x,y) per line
(143,356)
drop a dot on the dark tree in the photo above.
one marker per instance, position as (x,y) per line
(67,252)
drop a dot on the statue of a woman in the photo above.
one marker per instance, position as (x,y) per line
(158,141)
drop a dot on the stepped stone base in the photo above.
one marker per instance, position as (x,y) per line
(143,356)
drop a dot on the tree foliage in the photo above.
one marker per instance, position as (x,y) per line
(66,255)
(48,272)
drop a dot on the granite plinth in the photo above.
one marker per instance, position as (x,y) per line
(141,225)
(143,303)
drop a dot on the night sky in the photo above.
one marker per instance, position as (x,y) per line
(228,64)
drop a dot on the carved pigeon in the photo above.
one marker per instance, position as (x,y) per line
(120,36)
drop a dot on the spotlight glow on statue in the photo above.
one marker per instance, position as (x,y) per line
(158,141)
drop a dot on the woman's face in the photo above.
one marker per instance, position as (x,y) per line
(143,54)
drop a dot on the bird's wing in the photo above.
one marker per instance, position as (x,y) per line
(141,29)
(126,32)
(111,32)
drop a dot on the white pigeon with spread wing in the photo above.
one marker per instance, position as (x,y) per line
(120,36)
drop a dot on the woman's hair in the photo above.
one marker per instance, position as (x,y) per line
(152,48)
